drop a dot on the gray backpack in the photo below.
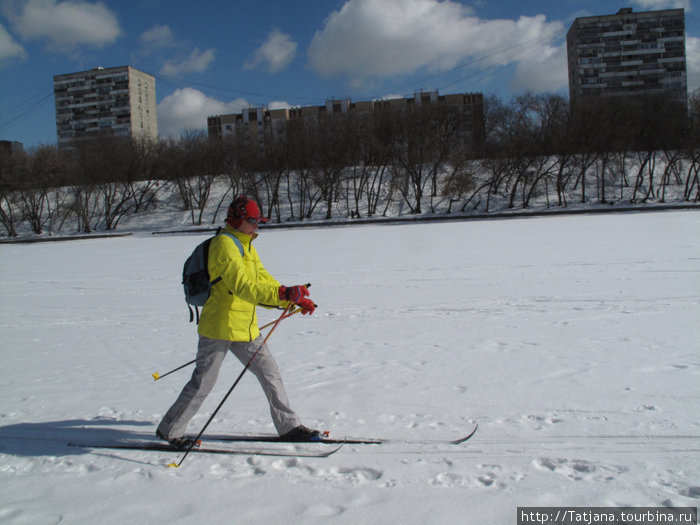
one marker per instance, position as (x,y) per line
(196,280)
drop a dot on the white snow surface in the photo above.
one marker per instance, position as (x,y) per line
(571,340)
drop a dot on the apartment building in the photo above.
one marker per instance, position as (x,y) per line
(627,54)
(10,148)
(255,121)
(117,101)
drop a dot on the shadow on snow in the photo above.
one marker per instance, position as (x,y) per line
(52,438)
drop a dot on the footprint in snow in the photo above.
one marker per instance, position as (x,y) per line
(579,469)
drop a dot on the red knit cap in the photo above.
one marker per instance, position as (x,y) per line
(243,208)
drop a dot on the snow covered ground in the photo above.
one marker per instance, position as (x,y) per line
(572,341)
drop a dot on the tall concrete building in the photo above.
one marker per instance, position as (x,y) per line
(105,101)
(628,53)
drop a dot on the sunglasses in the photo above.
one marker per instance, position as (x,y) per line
(251,220)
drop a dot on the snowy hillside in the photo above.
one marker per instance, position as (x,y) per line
(493,190)
(572,341)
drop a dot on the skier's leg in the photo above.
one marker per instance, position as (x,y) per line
(265,369)
(210,355)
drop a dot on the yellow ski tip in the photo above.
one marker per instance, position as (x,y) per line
(175,465)
(156,376)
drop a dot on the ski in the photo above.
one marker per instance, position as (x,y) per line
(158,447)
(270,438)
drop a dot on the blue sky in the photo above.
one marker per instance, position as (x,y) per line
(218,56)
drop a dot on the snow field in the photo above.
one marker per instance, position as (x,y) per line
(572,341)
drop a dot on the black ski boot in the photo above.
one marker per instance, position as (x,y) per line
(180,443)
(301,434)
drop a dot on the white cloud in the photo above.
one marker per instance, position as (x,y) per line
(159,36)
(196,62)
(276,53)
(188,109)
(546,70)
(279,104)
(9,48)
(692,62)
(654,5)
(381,38)
(67,25)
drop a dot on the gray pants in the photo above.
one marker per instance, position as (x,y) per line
(210,355)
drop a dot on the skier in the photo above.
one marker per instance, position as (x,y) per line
(229,322)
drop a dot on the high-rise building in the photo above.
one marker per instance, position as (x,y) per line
(105,101)
(628,53)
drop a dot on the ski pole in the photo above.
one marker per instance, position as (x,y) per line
(157,376)
(247,366)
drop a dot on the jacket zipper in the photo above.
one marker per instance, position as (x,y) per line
(252,317)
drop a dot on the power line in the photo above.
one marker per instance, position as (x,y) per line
(502,57)
(499,58)
(257,96)
(36,105)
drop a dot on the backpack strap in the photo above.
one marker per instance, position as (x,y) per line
(195,314)
(236,241)
(192,315)
(238,244)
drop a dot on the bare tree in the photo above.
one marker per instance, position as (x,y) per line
(115,165)
(460,179)
(9,177)
(271,166)
(691,149)
(146,183)
(84,191)
(194,162)
(376,155)
(43,172)
(423,140)
(303,193)
(331,159)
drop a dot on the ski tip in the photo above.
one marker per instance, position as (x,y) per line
(156,376)
(468,436)
(173,465)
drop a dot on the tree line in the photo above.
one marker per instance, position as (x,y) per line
(427,159)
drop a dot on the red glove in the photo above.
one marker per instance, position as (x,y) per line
(299,296)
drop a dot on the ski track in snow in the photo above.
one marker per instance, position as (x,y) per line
(572,341)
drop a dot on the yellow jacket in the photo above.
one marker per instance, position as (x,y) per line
(229,313)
